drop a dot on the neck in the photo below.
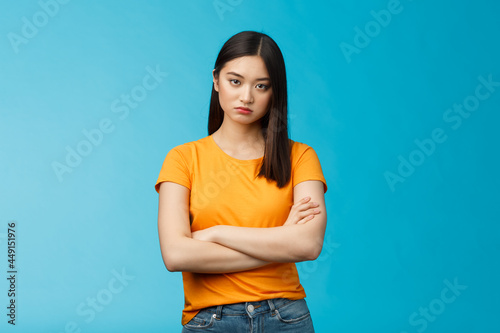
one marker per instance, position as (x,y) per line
(236,134)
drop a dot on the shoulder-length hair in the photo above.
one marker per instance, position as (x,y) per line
(276,164)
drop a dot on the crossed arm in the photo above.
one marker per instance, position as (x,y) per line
(225,249)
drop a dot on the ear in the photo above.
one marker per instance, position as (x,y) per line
(216,81)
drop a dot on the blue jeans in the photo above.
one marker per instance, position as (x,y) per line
(269,316)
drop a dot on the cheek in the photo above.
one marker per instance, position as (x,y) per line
(222,94)
(225,92)
(266,101)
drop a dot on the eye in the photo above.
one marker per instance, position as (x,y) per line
(234,81)
(262,86)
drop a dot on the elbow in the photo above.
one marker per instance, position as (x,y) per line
(174,254)
(311,250)
(171,267)
(171,261)
(310,254)
(314,253)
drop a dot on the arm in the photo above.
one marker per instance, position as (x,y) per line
(289,243)
(182,253)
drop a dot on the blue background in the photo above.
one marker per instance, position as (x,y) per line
(392,247)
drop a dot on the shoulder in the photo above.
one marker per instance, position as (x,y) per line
(298,146)
(298,150)
(189,148)
(305,164)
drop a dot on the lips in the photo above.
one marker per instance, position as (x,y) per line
(244,109)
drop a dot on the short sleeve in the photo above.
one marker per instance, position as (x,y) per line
(308,167)
(174,169)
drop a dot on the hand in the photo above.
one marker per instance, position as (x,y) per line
(203,235)
(303,211)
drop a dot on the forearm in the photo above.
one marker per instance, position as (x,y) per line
(191,255)
(292,243)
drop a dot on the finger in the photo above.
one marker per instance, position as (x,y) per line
(305,199)
(301,202)
(307,205)
(313,205)
(306,219)
(308,211)
(303,214)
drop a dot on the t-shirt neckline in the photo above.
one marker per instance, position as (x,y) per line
(223,153)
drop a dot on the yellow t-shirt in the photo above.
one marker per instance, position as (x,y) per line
(226,190)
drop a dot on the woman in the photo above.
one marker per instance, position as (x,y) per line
(239,207)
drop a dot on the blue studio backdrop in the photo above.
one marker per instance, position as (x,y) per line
(400,99)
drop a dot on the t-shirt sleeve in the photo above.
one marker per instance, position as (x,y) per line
(174,169)
(308,167)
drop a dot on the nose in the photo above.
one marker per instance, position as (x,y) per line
(246,95)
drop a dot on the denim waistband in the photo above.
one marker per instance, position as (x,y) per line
(248,308)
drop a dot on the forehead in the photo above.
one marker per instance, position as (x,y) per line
(248,66)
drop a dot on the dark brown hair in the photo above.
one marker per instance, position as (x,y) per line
(276,164)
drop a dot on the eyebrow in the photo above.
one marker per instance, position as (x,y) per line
(239,75)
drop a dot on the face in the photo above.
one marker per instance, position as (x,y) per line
(244,89)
